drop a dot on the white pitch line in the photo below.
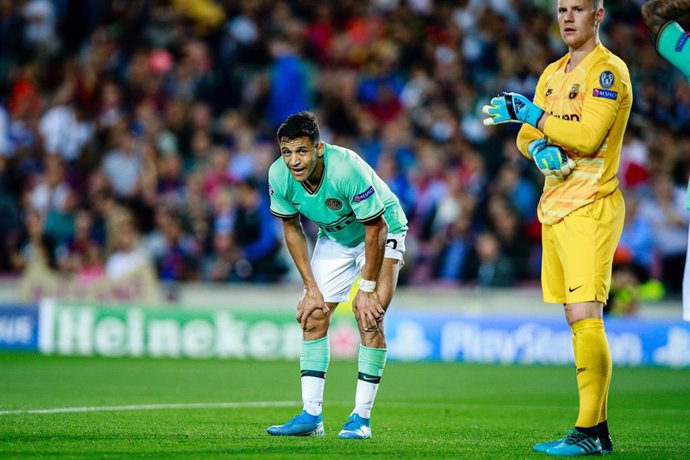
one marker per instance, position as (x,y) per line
(259,404)
(139,407)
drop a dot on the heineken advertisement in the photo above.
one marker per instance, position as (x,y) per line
(67,329)
(170,333)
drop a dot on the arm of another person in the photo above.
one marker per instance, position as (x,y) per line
(296,242)
(656,13)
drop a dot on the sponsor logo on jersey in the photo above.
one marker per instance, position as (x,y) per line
(334,204)
(549,92)
(606,79)
(566,116)
(364,195)
(271,192)
(605,93)
(574,90)
(682,41)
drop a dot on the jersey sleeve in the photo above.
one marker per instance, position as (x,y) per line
(607,86)
(361,193)
(280,205)
(528,133)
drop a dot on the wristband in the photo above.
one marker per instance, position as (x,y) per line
(366,285)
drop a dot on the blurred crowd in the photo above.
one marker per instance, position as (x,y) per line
(141,131)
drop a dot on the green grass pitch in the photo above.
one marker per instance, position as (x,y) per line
(431,410)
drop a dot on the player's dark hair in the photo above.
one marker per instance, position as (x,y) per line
(300,124)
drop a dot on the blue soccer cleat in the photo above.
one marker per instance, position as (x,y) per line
(544,446)
(575,444)
(303,424)
(356,427)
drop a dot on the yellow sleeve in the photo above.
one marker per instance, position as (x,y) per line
(527,132)
(607,85)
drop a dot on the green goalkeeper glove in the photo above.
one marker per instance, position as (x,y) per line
(550,159)
(512,107)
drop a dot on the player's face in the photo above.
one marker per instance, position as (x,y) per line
(304,159)
(578,21)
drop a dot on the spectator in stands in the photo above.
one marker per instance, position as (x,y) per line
(179,259)
(490,267)
(123,165)
(398,83)
(128,255)
(665,211)
(258,247)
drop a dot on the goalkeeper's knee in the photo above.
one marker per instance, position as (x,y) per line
(673,43)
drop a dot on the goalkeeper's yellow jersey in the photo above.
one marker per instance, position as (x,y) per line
(590,107)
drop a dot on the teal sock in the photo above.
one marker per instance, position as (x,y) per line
(370,365)
(673,43)
(314,359)
(372,361)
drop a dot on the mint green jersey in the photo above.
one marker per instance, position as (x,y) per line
(349,194)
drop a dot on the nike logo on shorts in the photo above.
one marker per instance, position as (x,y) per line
(574,289)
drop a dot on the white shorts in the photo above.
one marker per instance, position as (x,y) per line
(336,266)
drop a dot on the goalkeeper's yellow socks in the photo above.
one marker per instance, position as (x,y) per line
(370,365)
(314,359)
(673,43)
(593,363)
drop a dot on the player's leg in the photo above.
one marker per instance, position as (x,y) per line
(334,269)
(372,351)
(590,238)
(553,288)
(671,39)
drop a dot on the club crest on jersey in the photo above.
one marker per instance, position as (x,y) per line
(364,195)
(334,204)
(574,90)
(606,79)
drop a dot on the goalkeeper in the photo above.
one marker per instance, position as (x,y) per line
(574,132)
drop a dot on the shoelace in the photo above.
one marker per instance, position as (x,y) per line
(351,423)
(575,437)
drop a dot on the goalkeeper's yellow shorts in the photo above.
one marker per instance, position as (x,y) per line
(578,252)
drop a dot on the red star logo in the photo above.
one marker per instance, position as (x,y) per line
(344,339)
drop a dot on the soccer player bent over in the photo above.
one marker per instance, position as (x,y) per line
(361,231)
(574,131)
(673,43)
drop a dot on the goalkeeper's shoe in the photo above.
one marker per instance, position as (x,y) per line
(606,444)
(544,446)
(356,427)
(577,443)
(302,425)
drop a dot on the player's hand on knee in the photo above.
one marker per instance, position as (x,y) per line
(311,302)
(368,310)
